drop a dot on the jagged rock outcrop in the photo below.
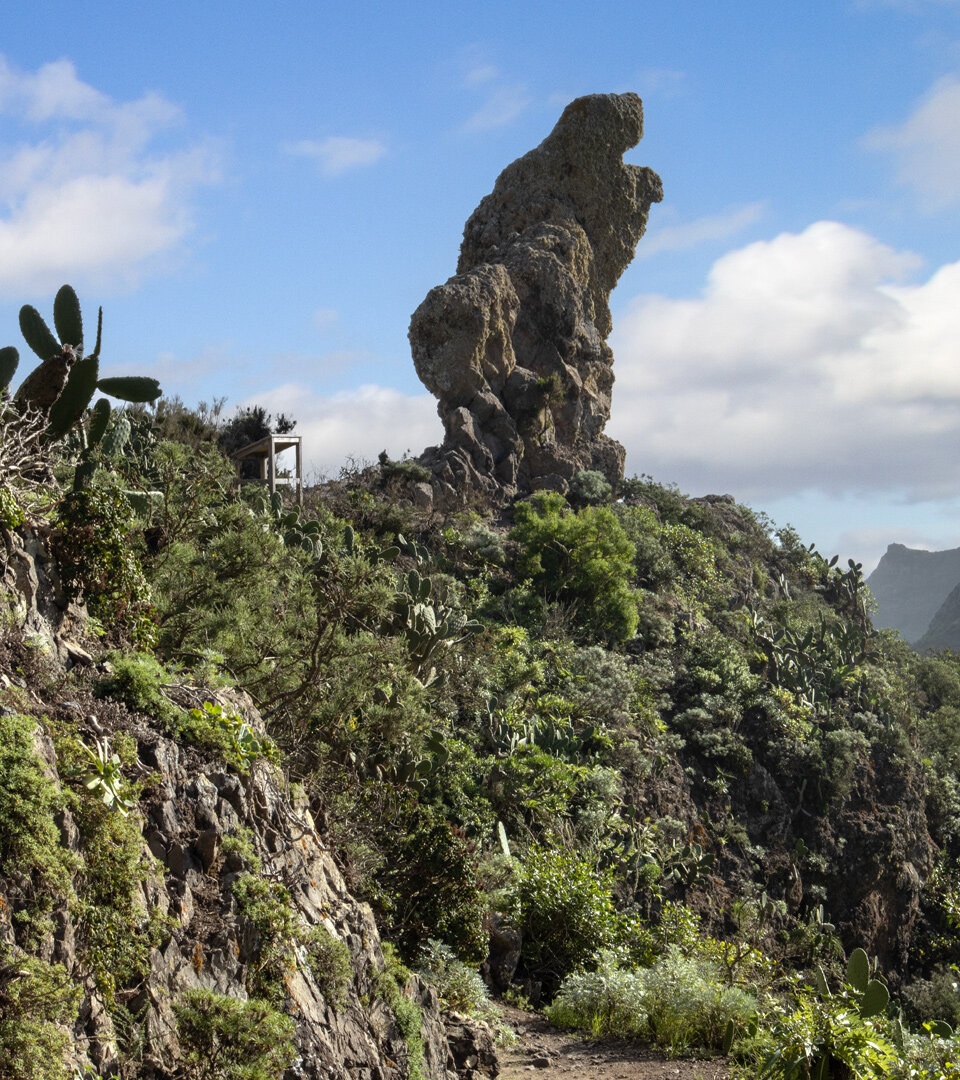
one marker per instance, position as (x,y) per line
(514,346)
(910,586)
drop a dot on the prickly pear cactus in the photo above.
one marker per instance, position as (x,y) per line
(63,385)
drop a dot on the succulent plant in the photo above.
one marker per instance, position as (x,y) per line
(297,530)
(63,384)
(9,359)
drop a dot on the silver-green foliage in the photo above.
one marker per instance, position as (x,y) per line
(459,987)
(608,1001)
(679,1003)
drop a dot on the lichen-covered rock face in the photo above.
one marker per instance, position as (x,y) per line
(514,346)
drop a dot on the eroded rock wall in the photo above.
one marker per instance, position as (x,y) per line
(514,345)
(191,803)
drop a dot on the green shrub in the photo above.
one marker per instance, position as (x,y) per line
(589,486)
(567,913)
(688,1005)
(390,985)
(601,686)
(11,514)
(32,860)
(267,906)
(222,1038)
(135,679)
(486,543)
(533,788)
(427,884)
(227,733)
(583,560)
(116,933)
(39,1005)
(825,1029)
(459,987)
(98,561)
(935,998)
(240,843)
(608,1001)
(678,1003)
(330,964)
(407,470)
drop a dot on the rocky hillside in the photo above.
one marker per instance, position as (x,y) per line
(156,889)
(288,791)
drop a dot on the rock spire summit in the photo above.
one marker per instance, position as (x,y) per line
(514,345)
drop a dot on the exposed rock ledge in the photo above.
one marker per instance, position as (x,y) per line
(514,346)
(190,805)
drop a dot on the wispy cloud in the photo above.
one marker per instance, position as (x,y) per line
(501,99)
(480,73)
(338,154)
(668,82)
(926,146)
(701,230)
(805,364)
(501,107)
(82,192)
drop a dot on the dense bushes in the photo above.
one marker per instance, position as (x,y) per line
(582,560)
(664,719)
(679,1003)
(566,912)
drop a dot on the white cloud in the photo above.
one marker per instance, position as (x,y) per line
(354,425)
(667,82)
(81,192)
(702,230)
(480,73)
(802,366)
(502,106)
(926,146)
(338,154)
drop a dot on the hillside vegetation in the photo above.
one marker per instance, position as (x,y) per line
(641,758)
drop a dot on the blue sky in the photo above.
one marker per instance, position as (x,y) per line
(260,197)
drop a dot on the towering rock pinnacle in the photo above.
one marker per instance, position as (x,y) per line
(514,346)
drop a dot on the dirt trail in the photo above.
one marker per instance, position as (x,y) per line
(545,1053)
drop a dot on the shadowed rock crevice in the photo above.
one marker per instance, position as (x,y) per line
(514,346)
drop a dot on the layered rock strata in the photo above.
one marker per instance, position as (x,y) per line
(192,803)
(514,345)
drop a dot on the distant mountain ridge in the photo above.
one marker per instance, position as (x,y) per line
(915,592)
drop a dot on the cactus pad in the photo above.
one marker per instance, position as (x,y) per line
(74,398)
(98,421)
(67,318)
(135,388)
(9,358)
(37,334)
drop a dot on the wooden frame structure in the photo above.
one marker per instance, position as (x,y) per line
(265,451)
